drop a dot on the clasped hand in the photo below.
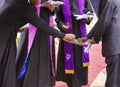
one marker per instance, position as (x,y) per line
(84,39)
(69,37)
(66,26)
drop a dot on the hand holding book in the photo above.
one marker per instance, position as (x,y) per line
(85,15)
(51,5)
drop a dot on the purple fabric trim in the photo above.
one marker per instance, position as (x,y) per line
(85,56)
(51,50)
(32,32)
(68,48)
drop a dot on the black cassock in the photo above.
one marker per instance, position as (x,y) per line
(13,15)
(39,58)
(80,77)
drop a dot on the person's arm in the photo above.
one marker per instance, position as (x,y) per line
(32,17)
(103,23)
(60,21)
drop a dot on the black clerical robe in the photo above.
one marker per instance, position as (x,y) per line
(80,77)
(13,15)
(40,57)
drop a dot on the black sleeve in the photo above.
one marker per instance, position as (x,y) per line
(103,23)
(59,18)
(32,17)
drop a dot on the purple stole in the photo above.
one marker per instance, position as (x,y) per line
(68,48)
(31,36)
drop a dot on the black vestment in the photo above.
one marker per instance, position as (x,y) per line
(13,15)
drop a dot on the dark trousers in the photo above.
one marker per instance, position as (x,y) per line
(113,71)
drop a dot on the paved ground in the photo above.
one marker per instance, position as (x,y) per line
(97,73)
(100,79)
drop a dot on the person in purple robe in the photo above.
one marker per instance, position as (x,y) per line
(73,61)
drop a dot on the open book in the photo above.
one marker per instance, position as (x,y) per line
(55,3)
(84,16)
